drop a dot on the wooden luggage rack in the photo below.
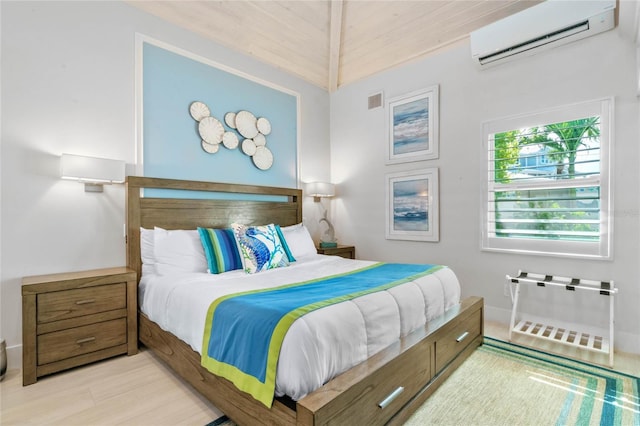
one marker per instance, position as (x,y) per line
(568,334)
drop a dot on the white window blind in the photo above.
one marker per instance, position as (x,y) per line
(547,177)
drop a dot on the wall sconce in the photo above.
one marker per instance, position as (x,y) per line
(319,190)
(93,172)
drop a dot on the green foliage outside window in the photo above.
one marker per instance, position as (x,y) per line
(544,157)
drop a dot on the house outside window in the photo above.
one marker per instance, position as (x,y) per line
(547,179)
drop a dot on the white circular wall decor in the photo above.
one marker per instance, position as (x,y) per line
(230,119)
(211,148)
(246,124)
(230,140)
(249,147)
(199,110)
(260,140)
(264,126)
(263,158)
(211,130)
(252,129)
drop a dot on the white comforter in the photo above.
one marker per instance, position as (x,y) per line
(321,344)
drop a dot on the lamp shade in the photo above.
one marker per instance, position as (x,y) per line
(91,169)
(320,189)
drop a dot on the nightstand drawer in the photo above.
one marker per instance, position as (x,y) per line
(81,340)
(60,305)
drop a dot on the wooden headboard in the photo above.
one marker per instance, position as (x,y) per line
(183,213)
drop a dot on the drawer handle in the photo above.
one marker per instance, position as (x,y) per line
(85,301)
(462,336)
(85,340)
(389,399)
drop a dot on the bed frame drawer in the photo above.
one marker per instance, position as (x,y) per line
(81,340)
(451,344)
(355,396)
(85,301)
(383,392)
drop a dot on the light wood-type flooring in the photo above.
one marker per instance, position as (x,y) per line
(139,390)
(125,390)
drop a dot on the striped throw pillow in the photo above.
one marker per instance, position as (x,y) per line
(220,250)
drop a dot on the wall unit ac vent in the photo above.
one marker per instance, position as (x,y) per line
(544,26)
(374,101)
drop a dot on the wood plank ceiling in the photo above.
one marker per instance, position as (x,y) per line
(330,43)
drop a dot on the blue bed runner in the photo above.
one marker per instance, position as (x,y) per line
(244,331)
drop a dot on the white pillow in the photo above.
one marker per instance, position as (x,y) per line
(178,251)
(299,240)
(146,251)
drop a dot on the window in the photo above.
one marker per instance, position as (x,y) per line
(548,182)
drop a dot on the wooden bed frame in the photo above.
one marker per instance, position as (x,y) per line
(385,389)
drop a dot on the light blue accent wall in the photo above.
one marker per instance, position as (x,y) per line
(171,142)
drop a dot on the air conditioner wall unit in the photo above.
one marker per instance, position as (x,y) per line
(544,26)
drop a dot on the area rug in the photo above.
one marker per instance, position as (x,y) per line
(508,384)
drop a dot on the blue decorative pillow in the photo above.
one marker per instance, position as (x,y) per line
(220,250)
(260,247)
(285,246)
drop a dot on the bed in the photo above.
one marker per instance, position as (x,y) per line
(385,388)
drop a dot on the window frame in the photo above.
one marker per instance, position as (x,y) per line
(602,249)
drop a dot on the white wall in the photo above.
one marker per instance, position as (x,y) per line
(593,68)
(68,73)
(68,86)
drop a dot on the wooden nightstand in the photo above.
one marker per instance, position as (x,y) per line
(348,252)
(75,318)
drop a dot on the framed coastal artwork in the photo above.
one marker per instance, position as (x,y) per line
(412,205)
(413,126)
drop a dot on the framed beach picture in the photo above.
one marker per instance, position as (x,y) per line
(412,205)
(413,126)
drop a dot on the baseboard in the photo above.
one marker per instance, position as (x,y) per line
(624,342)
(14,357)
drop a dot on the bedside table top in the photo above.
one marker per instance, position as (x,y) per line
(340,246)
(68,280)
(63,276)
(346,251)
